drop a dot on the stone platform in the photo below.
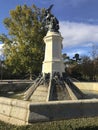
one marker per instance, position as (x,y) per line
(20,112)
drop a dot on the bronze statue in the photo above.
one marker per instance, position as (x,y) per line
(52,24)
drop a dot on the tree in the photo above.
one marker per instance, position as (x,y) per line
(77,57)
(94,58)
(86,67)
(69,63)
(24,46)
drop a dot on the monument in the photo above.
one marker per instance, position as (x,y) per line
(53,58)
(53,95)
(51,85)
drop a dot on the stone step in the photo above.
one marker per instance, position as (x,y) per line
(42,88)
(40,93)
(38,98)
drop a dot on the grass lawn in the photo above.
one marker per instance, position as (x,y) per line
(73,124)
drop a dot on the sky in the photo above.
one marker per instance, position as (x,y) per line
(78,21)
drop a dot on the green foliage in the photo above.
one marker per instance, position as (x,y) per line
(24,46)
(85,68)
(90,68)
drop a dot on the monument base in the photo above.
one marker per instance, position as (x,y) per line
(53,58)
(53,66)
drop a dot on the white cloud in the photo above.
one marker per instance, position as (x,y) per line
(1,50)
(76,34)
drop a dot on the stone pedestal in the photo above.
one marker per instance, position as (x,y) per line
(53,58)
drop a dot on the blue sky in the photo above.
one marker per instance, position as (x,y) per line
(78,21)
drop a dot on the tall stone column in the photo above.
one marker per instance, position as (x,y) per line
(53,58)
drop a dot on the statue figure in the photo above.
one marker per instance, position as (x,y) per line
(52,24)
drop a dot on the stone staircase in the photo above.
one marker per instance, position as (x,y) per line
(40,94)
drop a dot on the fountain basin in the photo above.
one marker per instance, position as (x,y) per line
(21,112)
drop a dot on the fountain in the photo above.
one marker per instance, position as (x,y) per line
(53,95)
(51,84)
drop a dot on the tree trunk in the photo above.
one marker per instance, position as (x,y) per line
(30,76)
